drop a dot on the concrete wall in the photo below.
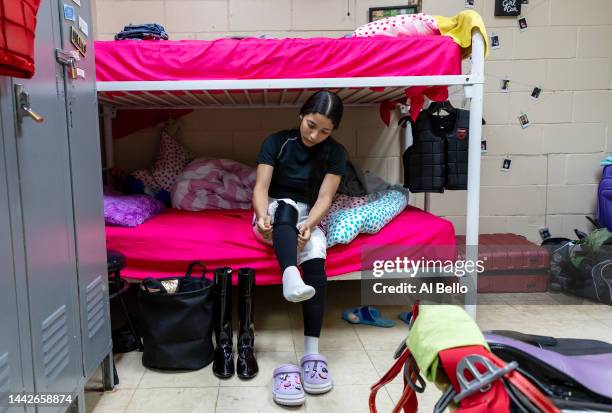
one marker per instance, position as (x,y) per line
(566,50)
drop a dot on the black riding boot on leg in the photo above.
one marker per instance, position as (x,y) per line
(246,364)
(223,363)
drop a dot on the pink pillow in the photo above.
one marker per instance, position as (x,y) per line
(172,159)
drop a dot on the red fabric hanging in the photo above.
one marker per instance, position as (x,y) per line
(17,28)
(408,401)
(415,95)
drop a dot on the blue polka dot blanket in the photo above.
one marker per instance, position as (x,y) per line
(351,216)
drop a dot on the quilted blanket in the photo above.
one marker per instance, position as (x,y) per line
(214,184)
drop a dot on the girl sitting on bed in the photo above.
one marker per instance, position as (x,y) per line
(298,173)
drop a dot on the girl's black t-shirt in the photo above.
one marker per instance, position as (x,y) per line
(292,162)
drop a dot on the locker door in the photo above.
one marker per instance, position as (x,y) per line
(86,172)
(43,158)
(11,375)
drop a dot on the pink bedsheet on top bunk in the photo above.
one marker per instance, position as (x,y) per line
(254,58)
(167,243)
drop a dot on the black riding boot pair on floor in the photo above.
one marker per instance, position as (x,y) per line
(223,363)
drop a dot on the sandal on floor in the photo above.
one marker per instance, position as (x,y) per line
(405,316)
(287,386)
(366,315)
(316,377)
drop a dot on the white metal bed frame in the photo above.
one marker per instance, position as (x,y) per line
(285,91)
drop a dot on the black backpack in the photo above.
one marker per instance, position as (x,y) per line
(582,267)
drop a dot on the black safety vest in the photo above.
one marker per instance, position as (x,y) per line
(437,159)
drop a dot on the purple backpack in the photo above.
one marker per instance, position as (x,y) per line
(604,199)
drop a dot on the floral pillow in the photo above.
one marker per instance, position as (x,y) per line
(130,210)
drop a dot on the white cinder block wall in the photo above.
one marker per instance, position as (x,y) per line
(567,50)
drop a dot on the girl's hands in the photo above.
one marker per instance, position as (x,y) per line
(303,236)
(264,227)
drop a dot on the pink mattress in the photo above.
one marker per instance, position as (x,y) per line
(167,243)
(253,58)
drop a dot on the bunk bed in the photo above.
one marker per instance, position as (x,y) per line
(262,73)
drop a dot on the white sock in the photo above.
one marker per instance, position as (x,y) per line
(294,288)
(311,345)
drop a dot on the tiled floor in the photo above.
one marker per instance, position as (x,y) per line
(358,355)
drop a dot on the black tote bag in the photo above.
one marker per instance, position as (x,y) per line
(177,327)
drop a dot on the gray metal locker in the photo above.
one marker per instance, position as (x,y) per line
(54,313)
(86,172)
(46,202)
(11,374)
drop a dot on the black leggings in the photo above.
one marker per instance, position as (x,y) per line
(313,309)
(284,239)
(284,235)
(285,245)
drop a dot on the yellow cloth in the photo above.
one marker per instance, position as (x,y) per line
(460,28)
(438,328)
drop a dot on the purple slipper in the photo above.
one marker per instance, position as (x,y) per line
(287,387)
(315,373)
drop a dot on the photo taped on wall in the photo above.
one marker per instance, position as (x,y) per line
(495,41)
(523,120)
(506,164)
(504,85)
(544,233)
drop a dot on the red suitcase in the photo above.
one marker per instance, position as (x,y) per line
(512,264)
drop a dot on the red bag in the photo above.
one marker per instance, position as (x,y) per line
(17,28)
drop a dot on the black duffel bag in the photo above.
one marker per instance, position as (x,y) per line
(177,325)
